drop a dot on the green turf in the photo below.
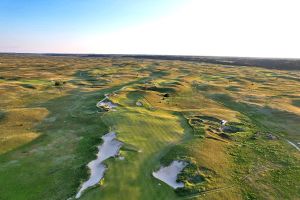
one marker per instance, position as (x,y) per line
(48,132)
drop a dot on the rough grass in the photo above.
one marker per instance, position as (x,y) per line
(17,127)
(132,176)
(49,134)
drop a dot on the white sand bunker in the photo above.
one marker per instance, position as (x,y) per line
(169,174)
(105,103)
(109,148)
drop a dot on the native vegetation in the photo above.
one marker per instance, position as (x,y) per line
(230,124)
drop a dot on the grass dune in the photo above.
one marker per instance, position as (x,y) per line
(50,128)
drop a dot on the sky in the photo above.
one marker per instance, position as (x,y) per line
(247,28)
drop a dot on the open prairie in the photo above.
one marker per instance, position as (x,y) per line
(235,124)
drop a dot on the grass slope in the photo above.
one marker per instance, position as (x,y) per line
(50,128)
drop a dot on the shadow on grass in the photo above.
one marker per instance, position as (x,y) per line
(53,165)
(266,118)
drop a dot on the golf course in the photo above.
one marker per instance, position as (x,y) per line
(129,127)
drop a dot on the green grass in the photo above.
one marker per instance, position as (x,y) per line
(46,163)
(133,175)
(296,103)
(48,134)
(266,162)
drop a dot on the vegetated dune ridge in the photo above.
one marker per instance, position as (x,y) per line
(269,63)
(48,121)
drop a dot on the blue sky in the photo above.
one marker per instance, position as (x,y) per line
(79,15)
(33,20)
(190,27)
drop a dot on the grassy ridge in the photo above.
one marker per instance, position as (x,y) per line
(50,128)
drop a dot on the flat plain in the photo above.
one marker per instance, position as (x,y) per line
(237,127)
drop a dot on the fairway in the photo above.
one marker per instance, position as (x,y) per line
(236,127)
(131,176)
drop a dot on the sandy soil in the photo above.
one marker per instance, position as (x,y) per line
(169,174)
(109,148)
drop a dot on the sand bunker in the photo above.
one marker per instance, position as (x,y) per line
(106,104)
(138,103)
(109,148)
(223,122)
(169,174)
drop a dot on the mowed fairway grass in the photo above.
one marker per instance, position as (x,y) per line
(51,166)
(152,134)
(50,128)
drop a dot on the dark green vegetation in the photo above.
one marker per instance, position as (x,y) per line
(167,110)
(296,103)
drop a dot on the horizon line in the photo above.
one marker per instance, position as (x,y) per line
(162,55)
